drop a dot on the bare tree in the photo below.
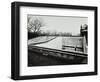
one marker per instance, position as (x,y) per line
(34,25)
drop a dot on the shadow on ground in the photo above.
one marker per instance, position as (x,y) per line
(37,59)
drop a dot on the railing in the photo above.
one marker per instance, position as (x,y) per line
(54,51)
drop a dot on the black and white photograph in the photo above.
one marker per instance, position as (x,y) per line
(53,40)
(57,40)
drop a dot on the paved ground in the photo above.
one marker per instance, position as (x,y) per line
(58,42)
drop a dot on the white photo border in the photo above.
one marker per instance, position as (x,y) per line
(42,70)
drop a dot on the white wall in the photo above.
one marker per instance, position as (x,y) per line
(5,40)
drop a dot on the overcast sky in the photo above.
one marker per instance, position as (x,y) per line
(62,23)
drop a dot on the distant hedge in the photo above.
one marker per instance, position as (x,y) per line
(32,35)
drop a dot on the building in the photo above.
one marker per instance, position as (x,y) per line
(84,31)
